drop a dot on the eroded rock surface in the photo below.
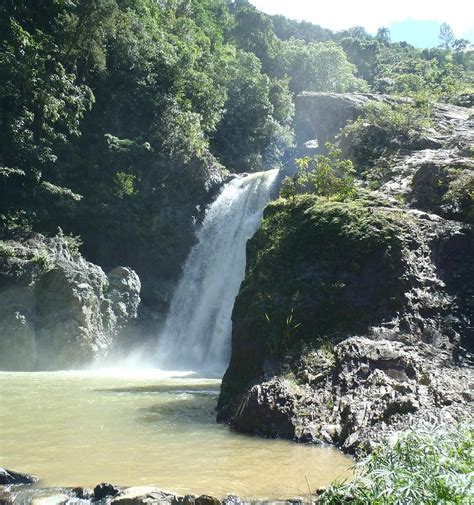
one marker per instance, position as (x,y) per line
(56,309)
(357,395)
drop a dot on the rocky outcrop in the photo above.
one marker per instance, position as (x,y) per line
(430,168)
(56,309)
(156,234)
(11,478)
(357,394)
(355,318)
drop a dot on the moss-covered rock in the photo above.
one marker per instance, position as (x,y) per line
(321,271)
(355,318)
(333,268)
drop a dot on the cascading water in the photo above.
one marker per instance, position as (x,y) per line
(198,327)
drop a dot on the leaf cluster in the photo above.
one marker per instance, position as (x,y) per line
(327,176)
(426,464)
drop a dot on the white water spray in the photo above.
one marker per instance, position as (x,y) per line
(198,327)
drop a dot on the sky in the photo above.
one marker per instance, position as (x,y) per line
(416,21)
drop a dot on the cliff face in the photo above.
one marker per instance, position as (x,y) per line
(355,318)
(152,234)
(57,310)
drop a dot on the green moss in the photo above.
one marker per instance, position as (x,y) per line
(317,271)
(308,259)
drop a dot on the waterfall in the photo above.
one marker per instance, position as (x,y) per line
(198,328)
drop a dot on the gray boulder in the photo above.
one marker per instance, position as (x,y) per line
(56,309)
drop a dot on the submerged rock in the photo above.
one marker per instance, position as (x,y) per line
(56,309)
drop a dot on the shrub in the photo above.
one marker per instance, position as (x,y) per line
(73,242)
(125,184)
(426,464)
(43,259)
(395,119)
(327,176)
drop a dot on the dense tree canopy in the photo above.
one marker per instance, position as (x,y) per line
(110,109)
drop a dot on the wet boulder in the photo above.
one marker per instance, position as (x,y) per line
(143,495)
(105,489)
(11,478)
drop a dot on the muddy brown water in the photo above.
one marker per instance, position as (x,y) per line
(147,428)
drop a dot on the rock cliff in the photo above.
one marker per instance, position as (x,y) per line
(355,318)
(56,309)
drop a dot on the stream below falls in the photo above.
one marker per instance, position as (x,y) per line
(79,428)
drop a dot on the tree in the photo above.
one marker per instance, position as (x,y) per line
(254,34)
(256,123)
(41,105)
(446,36)
(318,66)
(460,45)
(383,35)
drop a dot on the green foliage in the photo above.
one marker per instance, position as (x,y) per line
(327,176)
(427,464)
(73,242)
(383,35)
(318,66)
(255,129)
(59,191)
(281,336)
(395,119)
(43,259)
(125,184)
(111,110)
(446,36)
(438,73)
(459,197)
(6,249)
(41,104)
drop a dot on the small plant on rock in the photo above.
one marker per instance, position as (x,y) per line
(328,176)
(397,120)
(6,249)
(281,338)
